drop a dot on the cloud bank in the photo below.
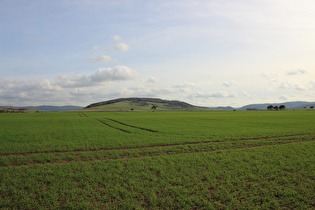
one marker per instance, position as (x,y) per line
(297,72)
(117,73)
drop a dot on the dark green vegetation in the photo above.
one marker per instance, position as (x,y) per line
(142,104)
(158,160)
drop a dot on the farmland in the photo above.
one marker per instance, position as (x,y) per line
(157,160)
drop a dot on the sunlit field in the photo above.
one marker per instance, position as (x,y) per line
(158,160)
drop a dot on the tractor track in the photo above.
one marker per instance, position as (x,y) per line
(121,123)
(132,126)
(120,129)
(141,155)
(154,146)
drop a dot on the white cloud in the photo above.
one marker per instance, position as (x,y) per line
(117,73)
(291,85)
(117,38)
(153,80)
(103,58)
(185,85)
(284,98)
(220,94)
(28,91)
(77,80)
(29,85)
(120,47)
(311,84)
(297,71)
(65,89)
(271,76)
(229,83)
(96,47)
(113,74)
(207,75)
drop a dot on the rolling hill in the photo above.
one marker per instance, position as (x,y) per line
(142,104)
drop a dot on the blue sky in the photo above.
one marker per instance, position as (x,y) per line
(210,53)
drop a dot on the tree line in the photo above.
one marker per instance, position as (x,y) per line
(281,107)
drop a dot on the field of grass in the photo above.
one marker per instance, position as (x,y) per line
(158,160)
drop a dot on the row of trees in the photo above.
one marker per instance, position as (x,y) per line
(281,107)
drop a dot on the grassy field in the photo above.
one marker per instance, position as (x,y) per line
(158,160)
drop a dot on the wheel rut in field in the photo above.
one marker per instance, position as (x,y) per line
(131,153)
(121,123)
(120,129)
(142,155)
(132,126)
(157,146)
(82,114)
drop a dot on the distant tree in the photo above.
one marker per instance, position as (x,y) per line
(132,109)
(153,108)
(276,108)
(311,107)
(282,107)
(270,107)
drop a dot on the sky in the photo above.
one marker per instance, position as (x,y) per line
(204,52)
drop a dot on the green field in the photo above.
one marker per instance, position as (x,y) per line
(158,160)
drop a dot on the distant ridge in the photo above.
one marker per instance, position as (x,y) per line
(288,105)
(48,108)
(144,100)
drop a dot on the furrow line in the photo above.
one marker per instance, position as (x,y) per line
(152,146)
(132,126)
(165,153)
(114,127)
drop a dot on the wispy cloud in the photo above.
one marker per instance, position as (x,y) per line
(292,85)
(103,58)
(152,80)
(229,83)
(220,94)
(311,84)
(297,71)
(117,38)
(123,47)
(271,76)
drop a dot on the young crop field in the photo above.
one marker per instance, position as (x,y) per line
(158,160)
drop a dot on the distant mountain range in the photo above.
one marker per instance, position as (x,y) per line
(288,105)
(48,108)
(171,104)
(183,105)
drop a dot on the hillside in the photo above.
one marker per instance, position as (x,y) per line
(141,104)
